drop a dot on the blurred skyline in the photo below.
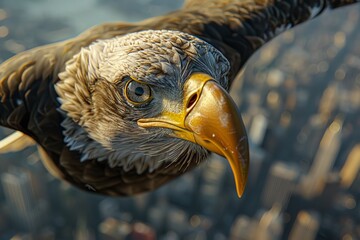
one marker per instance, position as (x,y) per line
(300,100)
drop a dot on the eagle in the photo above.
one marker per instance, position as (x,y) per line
(124,108)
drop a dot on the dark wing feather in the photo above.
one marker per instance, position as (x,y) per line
(240,27)
(28,101)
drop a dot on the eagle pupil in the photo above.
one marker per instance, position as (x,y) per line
(139,91)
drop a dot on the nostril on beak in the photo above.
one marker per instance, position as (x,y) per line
(192,101)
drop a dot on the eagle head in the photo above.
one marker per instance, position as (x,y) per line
(150,98)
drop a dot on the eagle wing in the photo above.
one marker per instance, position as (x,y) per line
(239,28)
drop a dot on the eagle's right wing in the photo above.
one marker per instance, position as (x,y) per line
(240,27)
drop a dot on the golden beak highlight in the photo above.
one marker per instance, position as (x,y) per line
(211,119)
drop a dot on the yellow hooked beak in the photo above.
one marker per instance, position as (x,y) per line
(211,119)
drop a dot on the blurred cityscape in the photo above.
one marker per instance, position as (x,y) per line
(300,100)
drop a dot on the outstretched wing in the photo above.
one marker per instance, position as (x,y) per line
(240,27)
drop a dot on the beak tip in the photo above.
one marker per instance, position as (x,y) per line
(240,191)
(241,180)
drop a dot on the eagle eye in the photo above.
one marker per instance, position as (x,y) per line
(137,93)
